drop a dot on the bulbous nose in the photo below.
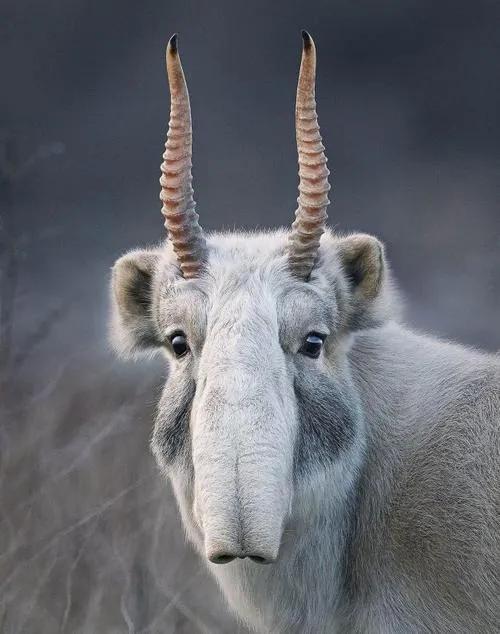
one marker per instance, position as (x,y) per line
(225,556)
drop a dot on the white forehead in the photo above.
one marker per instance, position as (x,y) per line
(247,251)
(247,284)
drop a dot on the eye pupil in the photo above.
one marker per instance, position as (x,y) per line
(312,345)
(179,344)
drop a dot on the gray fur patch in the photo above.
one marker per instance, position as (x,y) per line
(327,424)
(170,436)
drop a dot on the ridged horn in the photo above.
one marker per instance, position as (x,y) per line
(181,219)
(311,216)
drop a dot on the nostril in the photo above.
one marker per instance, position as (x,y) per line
(261,560)
(221,558)
(224,553)
(225,558)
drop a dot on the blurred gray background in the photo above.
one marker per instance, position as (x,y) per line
(408,97)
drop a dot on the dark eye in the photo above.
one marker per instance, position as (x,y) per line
(312,345)
(179,344)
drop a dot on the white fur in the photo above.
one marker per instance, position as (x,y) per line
(398,530)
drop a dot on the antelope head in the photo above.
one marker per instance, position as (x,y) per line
(256,330)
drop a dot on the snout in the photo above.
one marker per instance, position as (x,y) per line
(242,448)
(224,551)
(241,507)
(222,556)
(241,524)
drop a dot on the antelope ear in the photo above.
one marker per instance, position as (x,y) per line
(133,329)
(363,261)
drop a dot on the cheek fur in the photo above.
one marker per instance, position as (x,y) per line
(171,433)
(327,423)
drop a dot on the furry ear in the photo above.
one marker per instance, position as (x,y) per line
(133,328)
(363,261)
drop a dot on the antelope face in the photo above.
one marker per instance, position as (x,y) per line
(258,395)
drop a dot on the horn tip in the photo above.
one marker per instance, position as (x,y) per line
(307,40)
(172,44)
